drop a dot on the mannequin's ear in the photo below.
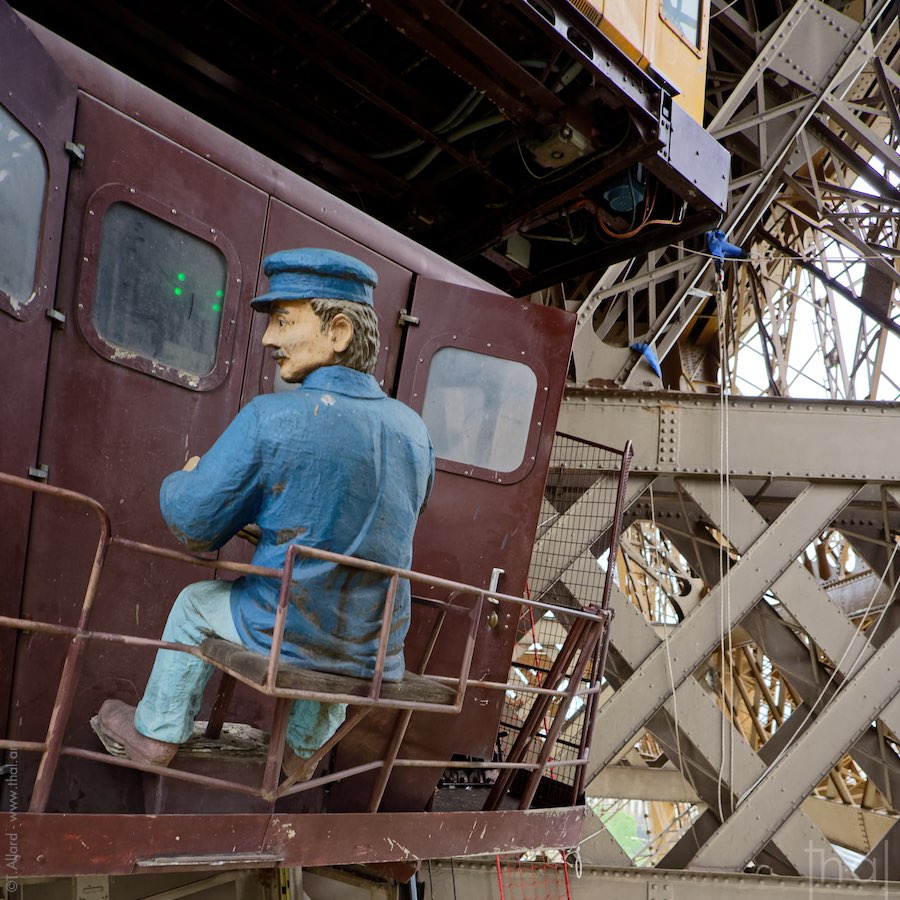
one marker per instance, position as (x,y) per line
(340,330)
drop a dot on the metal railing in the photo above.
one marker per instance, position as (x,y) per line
(589,644)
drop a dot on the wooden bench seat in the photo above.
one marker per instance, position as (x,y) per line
(253,666)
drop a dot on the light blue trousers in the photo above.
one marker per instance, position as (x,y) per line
(175,688)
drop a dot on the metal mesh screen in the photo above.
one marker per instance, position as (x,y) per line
(580,524)
(576,526)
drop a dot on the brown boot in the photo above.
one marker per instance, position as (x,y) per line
(117,720)
(296,767)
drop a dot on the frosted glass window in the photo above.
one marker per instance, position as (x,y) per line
(23,182)
(478,408)
(684,15)
(160,290)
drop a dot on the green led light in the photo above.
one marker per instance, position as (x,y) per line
(180,276)
(217,307)
(178,292)
(220,294)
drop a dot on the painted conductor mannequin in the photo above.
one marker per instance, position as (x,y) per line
(334,464)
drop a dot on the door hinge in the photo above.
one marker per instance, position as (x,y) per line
(57,318)
(39,473)
(76,151)
(406,319)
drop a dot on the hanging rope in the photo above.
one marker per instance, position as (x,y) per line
(720,248)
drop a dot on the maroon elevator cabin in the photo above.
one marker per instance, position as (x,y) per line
(127,332)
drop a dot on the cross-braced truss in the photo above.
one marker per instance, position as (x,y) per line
(755,713)
(754,635)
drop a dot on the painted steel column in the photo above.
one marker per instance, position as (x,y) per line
(772,554)
(807,678)
(790,781)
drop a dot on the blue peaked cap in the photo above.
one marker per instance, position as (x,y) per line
(310,273)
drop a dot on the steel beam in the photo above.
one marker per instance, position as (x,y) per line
(797,590)
(748,208)
(872,142)
(807,854)
(848,826)
(682,434)
(834,633)
(643,783)
(65,844)
(598,846)
(884,87)
(808,679)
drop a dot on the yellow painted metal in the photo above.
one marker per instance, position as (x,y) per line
(680,61)
(644,34)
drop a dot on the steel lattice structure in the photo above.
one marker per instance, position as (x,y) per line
(742,623)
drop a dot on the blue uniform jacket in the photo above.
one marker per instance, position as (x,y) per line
(335,464)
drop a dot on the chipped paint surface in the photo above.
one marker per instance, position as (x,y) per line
(120,353)
(395,845)
(20,304)
(286,535)
(124,355)
(279,831)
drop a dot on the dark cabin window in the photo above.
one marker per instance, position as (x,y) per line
(23,182)
(159,291)
(684,17)
(478,408)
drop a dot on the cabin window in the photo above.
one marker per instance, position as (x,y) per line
(478,408)
(684,17)
(159,291)
(23,183)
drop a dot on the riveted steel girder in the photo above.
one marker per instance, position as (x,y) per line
(479,881)
(766,437)
(698,719)
(796,588)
